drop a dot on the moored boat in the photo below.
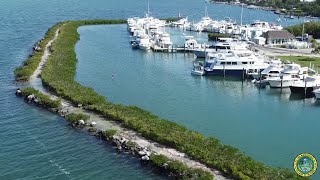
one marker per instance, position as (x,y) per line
(306,86)
(233,63)
(317,93)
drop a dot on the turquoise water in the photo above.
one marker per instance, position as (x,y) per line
(36,144)
(268,125)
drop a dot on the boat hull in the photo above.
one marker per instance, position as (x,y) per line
(200,54)
(197,73)
(317,94)
(226,72)
(301,90)
(277,83)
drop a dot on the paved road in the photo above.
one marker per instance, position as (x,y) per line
(272,51)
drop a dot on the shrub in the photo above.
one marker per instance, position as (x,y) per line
(73,117)
(109,133)
(44,100)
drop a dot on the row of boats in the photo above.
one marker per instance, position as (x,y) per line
(148,32)
(226,57)
(227,26)
(264,71)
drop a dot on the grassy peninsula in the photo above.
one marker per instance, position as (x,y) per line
(58,77)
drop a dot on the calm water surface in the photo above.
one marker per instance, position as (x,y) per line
(36,144)
(268,125)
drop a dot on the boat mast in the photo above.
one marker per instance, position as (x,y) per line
(206,12)
(241,13)
(148,12)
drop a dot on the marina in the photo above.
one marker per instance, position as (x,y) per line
(40,145)
(204,98)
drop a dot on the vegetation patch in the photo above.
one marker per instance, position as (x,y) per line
(58,76)
(302,60)
(24,72)
(312,28)
(108,134)
(179,168)
(74,117)
(41,99)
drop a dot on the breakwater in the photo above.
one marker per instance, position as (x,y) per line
(58,77)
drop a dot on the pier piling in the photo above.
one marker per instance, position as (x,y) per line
(224,71)
(305,89)
(281,77)
(242,76)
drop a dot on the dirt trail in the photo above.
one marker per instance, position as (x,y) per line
(104,124)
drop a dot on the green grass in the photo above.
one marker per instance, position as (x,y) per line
(73,117)
(179,168)
(302,60)
(58,76)
(24,72)
(109,133)
(44,100)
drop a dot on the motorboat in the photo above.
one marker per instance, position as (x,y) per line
(306,86)
(288,76)
(190,43)
(182,22)
(283,81)
(144,42)
(164,41)
(221,45)
(233,63)
(198,70)
(271,71)
(317,93)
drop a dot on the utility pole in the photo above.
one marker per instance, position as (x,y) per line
(302,32)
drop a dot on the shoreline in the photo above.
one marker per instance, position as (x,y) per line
(209,151)
(102,124)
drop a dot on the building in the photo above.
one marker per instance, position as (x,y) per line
(278,37)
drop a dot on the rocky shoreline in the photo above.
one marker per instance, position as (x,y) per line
(125,140)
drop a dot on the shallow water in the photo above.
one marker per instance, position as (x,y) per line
(268,125)
(36,144)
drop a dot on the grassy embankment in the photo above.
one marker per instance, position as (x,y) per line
(43,100)
(58,76)
(304,61)
(24,72)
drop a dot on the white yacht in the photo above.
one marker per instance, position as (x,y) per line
(222,45)
(306,86)
(202,24)
(289,75)
(234,63)
(269,72)
(190,43)
(164,40)
(144,42)
(182,22)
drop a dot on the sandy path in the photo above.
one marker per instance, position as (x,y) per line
(104,124)
(44,58)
